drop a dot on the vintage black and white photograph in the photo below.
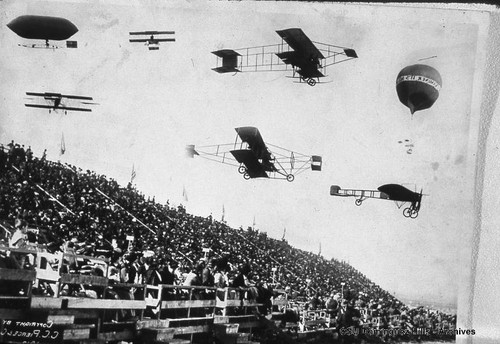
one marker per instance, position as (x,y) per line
(242,171)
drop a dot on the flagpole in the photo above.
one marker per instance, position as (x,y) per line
(62,148)
(129,213)
(133,174)
(184,194)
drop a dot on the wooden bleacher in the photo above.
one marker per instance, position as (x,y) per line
(197,313)
(86,309)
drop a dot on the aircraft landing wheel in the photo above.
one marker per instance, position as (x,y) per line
(246,176)
(358,202)
(407,212)
(242,169)
(413,214)
(290,177)
(311,82)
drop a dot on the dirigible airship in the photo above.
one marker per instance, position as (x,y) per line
(45,28)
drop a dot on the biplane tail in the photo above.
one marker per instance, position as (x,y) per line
(190,151)
(229,61)
(316,163)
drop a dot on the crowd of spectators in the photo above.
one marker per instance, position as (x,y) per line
(76,210)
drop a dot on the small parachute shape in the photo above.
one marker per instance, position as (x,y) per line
(418,86)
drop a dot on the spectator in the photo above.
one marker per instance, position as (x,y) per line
(83,213)
(207,276)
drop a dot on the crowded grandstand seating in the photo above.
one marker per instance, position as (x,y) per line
(84,235)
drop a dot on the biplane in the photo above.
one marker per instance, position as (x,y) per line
(255,159)
(393,192)
(44,28)
(152,42)
(54,102)
(306,59)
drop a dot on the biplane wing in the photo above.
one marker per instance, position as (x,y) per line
(252,137)
(151,40)
(305,55)
(300,43)
(135,33)
(45,94)
(58,107)
(51,95)
(254,168)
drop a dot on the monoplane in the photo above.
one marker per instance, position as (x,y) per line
(148,37)
(393,192)
(255,159)
(44,28)
(54,102)
(307,59)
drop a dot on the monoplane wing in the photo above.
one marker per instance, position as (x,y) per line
(399,193)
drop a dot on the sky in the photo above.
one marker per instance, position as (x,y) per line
(152,103)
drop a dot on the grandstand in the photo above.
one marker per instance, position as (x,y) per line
(100,262)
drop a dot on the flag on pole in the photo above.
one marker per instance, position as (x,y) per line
(63,145)
(223,213)
(284,232)
(184,194)
(253,224)
(133,174)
